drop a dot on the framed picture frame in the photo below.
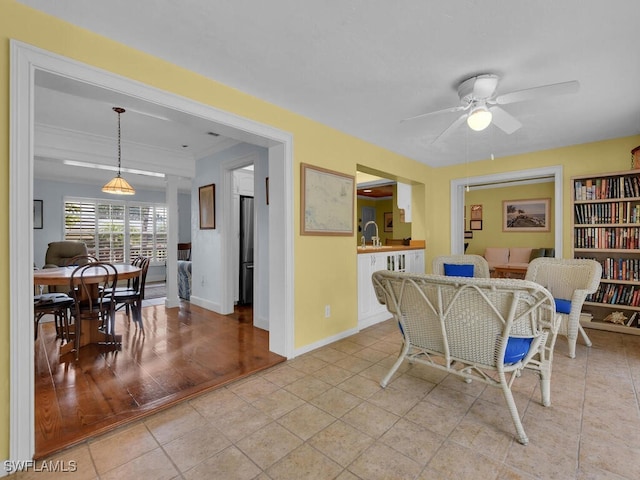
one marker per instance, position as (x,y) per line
(207,199)
(388,221)
(476,212)
(327,202)
(37,214)
(530,215)
(468,234)
(475,224)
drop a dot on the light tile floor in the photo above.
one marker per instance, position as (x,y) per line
(323,415)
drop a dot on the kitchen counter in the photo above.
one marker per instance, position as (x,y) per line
(388,248)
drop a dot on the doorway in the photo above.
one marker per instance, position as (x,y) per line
(26,59)
(459,185)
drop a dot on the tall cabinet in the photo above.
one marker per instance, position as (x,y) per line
(606,228)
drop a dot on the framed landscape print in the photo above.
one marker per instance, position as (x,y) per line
(526,215)
(388,221)
(207,207)
(476,212)
(327,202)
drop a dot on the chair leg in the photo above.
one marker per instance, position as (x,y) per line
(584,335)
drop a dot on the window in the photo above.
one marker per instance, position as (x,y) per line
(117,231)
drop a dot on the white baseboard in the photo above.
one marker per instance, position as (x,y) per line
(324,342)
(206,304)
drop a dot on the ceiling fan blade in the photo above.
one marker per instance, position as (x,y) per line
(436,112)
(538,92)
(451,127)
(504,121)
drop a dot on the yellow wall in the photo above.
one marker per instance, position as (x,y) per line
(598,157)
(491,234)
(325,267)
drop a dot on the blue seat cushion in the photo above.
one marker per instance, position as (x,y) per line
(563,306)
(458,270)
(517,349)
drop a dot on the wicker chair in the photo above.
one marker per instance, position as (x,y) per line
(483,329)
(570,280)
(480,265)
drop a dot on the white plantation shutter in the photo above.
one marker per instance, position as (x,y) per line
(116,232)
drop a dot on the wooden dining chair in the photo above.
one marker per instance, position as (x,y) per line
(184,251)
(131,296)
(92,286)
(56,304)
(80,260)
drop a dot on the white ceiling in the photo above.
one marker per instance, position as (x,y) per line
(363,65)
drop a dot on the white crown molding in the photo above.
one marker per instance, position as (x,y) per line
(65,144)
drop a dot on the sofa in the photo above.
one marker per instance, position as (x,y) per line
(515,256)
(184,279)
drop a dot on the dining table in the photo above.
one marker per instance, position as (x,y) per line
(91,333)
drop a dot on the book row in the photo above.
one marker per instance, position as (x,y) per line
(611,212)
(619,268)
(607,237)
(607,187)
(616,294)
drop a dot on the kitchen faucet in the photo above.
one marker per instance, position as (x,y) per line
(376,238)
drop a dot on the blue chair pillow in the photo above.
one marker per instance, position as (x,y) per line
(458,270)
(563,306)
(517,349)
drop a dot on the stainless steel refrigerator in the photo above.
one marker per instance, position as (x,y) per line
(246,250)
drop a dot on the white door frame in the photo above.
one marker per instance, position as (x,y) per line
(458,186)
(25,61)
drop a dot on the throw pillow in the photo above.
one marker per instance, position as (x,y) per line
(517,349)
(458,270)
(562,306)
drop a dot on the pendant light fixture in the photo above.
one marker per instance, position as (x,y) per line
(118,185)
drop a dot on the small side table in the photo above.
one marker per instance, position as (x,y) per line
(511,271)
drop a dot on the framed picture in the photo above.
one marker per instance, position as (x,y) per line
(37,214)
(468,234)
(388,221)
(207,197)
(476,212)
(475,224)
(526,215)
(327,202)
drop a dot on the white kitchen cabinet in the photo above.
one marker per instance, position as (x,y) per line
(370,311)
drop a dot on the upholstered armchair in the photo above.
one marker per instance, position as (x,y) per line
(60,253)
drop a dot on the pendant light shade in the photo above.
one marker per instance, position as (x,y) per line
(118,185)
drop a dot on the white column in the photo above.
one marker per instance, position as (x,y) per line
(172,299)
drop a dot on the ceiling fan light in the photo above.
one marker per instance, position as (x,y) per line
(479,119)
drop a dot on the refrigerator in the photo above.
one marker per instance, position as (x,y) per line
(246,250)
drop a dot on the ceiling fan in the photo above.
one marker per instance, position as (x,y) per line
(480,103)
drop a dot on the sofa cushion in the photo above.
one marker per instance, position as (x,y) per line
(519,254)
(496,255)
(517,349)
(458,270)
(563,306)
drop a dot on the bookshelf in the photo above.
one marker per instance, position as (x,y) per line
(606,228)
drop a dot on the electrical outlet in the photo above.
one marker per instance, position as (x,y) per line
(327,311)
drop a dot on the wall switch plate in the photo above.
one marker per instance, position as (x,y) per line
(327,311)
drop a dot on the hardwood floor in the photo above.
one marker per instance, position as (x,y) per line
(183,352)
